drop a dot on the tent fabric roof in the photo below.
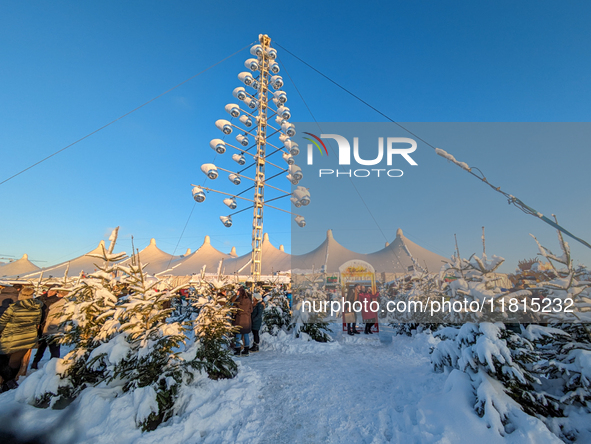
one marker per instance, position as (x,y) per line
(394,258)
(19,267)
(329,253)
(82,263)
(154,259)
(206,255)
(274,260)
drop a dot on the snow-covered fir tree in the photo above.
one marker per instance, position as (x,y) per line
(413,292)
(568,289)
(126,343)
(145,355)
(90,320)
(277,314)
(565,342)
(473,280)
(500,364)
(308,297)
(213,333)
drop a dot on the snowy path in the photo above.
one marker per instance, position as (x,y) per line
(356,394)
(359,390)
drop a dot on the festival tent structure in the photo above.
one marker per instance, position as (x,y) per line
(395,258)
(155,261)
(205,256)
(74,267)
(327,257)
(274,260)
(19,267)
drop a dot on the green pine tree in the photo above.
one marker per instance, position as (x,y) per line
(213,333)
(153,344)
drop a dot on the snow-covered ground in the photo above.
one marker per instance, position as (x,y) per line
(365,389)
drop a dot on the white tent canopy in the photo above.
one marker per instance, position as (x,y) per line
(154,259)
(206,255)
(394,258)
(273,260)
(74,266)
(19,267)
(330,255)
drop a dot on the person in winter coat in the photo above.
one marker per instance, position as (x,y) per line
(350,315)
(50,326)
(257,320)
(243,303)
(366,297)
(18,333)
(8,295)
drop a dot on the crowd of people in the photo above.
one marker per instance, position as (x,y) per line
(364,295)
(27,322)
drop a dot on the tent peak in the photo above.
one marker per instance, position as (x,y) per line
(233,252)
(281,247)
(399,233)
(25,256)
(188,252)
(153,242)
(101,243)
(387,244)
(266,237)
(207,240)
(329,234)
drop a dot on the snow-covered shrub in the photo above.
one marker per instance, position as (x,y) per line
(277,314)
(90,320)
(568,285)
(500,365)
(123,342)
(145,355)
(313,324)
(213,334)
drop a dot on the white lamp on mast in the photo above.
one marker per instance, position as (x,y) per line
(264,75)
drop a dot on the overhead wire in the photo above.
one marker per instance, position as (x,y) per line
(125,115)
(333,150)
(512,200)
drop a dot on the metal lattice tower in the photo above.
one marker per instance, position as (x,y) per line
(263,104)
(259,187)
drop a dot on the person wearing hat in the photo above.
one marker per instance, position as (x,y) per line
(18,333)
(53,306)
(257,320)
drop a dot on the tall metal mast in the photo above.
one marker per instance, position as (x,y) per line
(259,187)
(256,123)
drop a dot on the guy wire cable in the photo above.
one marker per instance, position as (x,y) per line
(510,199)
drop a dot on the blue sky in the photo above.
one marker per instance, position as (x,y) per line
(70,67)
